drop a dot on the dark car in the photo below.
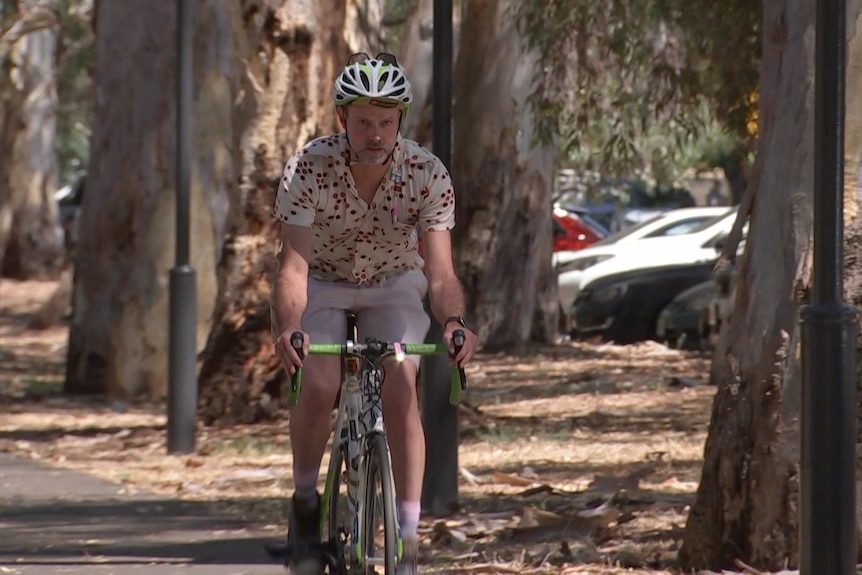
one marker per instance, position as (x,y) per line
(624,307)
(684,323)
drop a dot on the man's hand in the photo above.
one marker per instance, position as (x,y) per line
(471,342)
(290,360)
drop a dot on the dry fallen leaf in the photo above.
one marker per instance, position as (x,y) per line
(508,479)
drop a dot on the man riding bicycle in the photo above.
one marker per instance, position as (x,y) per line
(352,207)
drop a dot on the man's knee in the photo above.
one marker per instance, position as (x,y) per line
(400,384)
(321,380)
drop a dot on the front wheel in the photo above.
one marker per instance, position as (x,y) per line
(339,524)
(379,541)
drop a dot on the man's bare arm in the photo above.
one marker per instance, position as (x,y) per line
(289,293)
(444,288)
(445,291)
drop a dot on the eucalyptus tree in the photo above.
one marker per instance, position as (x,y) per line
(747,503)
(262,77)
(502,238)
(31,240)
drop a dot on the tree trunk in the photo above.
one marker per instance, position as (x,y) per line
(119,332)
(502,235)
(416,56)
(294,50)
(748,499)
(31,239)
(852,216)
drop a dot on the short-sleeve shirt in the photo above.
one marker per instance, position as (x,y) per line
(357,242)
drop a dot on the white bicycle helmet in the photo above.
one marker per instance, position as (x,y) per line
(378,80)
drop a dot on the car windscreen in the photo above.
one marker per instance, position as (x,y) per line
(712,221)
(617,236)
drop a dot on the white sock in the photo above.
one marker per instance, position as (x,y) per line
(306,485)
(408,512)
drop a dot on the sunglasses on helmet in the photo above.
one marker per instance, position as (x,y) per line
(361,57)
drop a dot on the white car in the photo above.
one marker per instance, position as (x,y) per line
(702,244)
(673,223)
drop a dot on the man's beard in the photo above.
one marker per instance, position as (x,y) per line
(374,158)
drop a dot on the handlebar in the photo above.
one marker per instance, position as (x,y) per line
(381,349)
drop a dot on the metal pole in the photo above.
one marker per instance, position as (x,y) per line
(182,363)
(828,481)
(440,488)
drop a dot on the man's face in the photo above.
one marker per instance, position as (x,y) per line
(372,131)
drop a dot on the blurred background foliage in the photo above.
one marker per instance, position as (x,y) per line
(75,53)
(673,82)
(646,90)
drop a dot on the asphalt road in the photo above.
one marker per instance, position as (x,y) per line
(60,521)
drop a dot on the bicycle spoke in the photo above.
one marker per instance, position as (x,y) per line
(379,525)
(339,523)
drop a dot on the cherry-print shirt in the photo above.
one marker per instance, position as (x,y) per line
(354,241)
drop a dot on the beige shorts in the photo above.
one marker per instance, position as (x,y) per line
(393,311)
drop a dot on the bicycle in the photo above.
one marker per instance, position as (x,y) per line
(359,458)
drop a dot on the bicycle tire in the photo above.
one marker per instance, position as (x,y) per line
(379,499)
(339,522)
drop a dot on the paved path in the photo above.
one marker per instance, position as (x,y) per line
(59,521)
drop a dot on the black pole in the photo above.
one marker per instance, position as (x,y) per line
(828,482)
(182,363)
(440,488)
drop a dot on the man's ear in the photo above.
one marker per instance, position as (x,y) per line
(340,112)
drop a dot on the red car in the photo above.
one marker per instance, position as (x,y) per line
(571,232)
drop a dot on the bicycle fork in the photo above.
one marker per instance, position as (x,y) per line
(347,441)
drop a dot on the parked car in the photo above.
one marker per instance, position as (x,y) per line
(624,307)
(684,322)
(571,265)
(702,243)
(587,218)
(571,232)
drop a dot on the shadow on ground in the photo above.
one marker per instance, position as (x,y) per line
(166,530)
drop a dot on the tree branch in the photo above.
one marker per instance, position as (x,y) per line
(40,17)
(73,50)
(728,253)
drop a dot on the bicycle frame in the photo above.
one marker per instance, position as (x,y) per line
(359,420)
(359,414)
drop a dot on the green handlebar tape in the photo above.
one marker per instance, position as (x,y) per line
(295,384)
(455,386)
(409,348)
(325,348)
(425,348)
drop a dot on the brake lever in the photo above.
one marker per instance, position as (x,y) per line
(296,341)
(458,338)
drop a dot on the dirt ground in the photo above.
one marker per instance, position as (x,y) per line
(575,458)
